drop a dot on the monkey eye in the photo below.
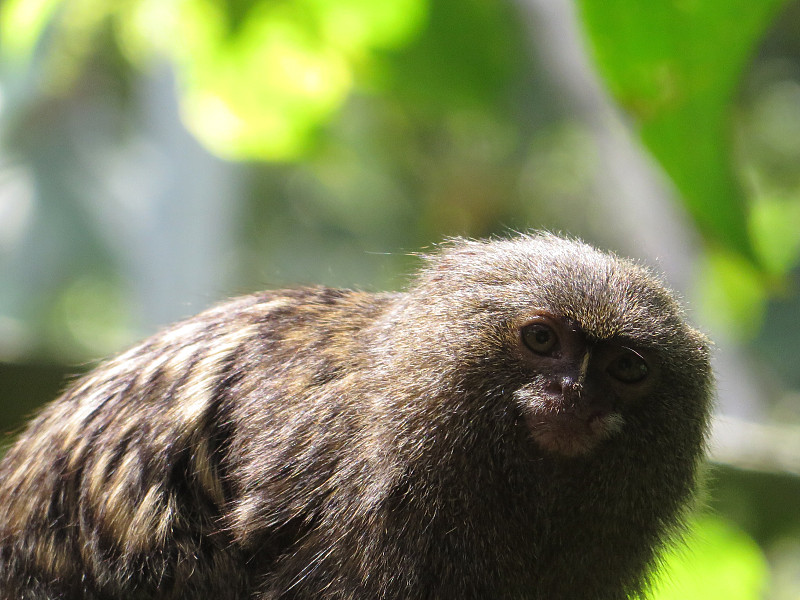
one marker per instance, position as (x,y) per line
(539,338)
(628,367)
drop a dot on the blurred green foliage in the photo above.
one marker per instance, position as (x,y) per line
(718,561)
(676,68)
(446,149)
(262,80)
(256,78)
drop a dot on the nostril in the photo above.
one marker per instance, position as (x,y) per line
(565,390)
(554,388)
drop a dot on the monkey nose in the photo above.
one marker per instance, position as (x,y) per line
(567,388)
(580,398)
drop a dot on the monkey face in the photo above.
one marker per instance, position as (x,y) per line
(581,386)
(585,350)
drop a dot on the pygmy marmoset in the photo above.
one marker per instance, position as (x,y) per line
(526,421)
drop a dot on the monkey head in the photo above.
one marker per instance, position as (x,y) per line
(584,347)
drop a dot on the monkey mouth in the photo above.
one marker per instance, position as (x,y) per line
(570,434)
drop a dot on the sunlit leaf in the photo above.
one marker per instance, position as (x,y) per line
(359,25)
(256,79)
(732,293)
(263,88)
(719,562)
(675,67)
(21,25)
(262,92)
(775,229)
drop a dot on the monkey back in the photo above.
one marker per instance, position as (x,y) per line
(322,443)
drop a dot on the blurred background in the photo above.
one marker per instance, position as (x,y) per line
(158,156)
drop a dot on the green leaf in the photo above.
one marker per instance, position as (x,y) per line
(775,231)
(732,294)
(257,79)
(21,25)
(674,66)
(263,89)
(719,562)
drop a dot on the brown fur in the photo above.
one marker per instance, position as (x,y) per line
(320,443)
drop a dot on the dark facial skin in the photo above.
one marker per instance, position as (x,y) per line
(524,422)
(584,385)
